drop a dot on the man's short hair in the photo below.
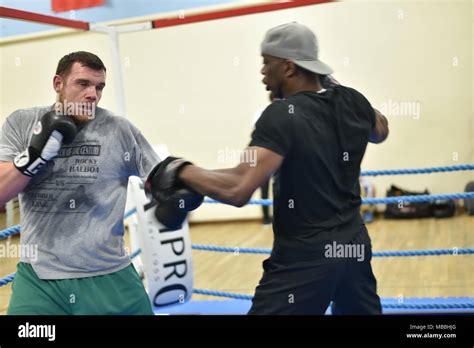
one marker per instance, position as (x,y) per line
(87,59)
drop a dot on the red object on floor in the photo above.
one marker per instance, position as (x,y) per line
(68,5)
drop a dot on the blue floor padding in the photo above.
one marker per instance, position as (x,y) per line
(241,307)
(231,307)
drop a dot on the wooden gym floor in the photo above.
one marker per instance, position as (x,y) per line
(426,276)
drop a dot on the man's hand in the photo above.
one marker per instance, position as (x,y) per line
(48,135)
(174,199)
(163,179)
(380,131)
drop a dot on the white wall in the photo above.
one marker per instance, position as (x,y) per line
(197,87)
(28,67)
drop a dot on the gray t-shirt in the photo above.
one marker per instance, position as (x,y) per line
(72,211)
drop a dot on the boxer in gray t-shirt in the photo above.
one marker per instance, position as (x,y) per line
(72,204)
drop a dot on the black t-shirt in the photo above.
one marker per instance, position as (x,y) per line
(323,137)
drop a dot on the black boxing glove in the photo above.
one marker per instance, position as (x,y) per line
(163,181)
(174,199)
(174,211)
(48,134)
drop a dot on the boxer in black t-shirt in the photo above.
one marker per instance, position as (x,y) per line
(314,140)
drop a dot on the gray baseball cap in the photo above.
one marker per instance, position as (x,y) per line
(295,42)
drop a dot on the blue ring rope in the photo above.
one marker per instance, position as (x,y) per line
(418,170)
(399,253)
(237,250)
(385,200)
(458,305)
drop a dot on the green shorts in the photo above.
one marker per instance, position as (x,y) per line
(119,293)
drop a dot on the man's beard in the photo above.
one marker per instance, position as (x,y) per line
(278,93)
(70,109)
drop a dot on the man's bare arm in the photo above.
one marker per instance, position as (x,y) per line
(233,186)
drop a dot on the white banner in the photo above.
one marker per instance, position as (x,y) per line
(166,254)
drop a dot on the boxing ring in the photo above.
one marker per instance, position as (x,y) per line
(238,304)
